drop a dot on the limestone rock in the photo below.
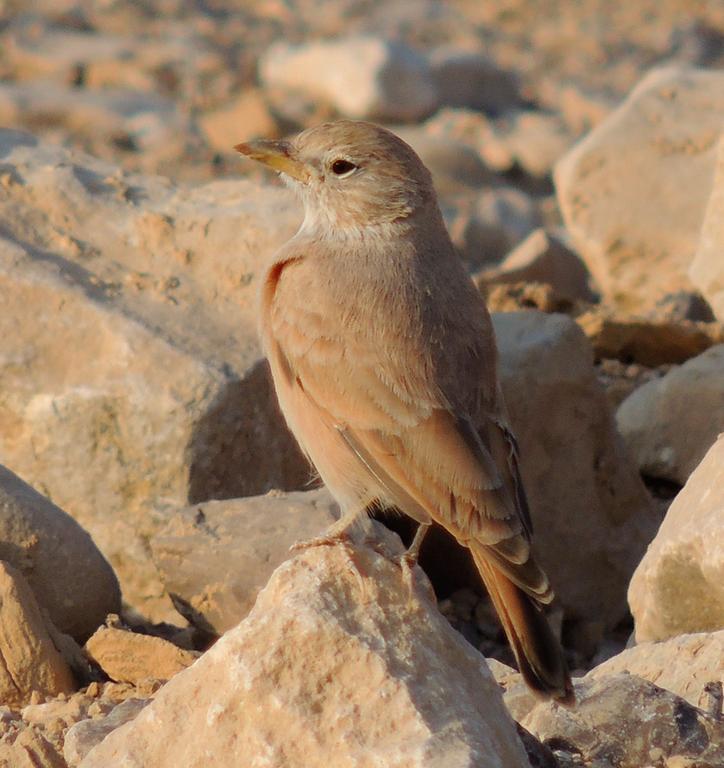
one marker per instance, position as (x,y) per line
(128,657)
(362,77)
(215,557)
(471,79)
(648,341)
(670,423)
(338,661)
(633,192)
(83,736)
(707,269)
(30,750)
(543,257)
(591,515)
(28,659)
(684,664)
(679,585)
(622,721)
(68,575)
(131,372)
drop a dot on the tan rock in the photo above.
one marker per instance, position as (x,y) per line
(670,423)
(707,268)
(362,77)
(624,721)
(543,257)
(246,117)
(67,573)
(679,585)
(648,341)
(214,557)
(28,659)
(684,664)
(30,750)
(633,192)
(131,374)
(591,514)
(128,657)
(341,662)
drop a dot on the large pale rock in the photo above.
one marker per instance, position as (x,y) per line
(707,269)
(362,77)
(679,585)
(131,373)
(622,721)
(670,423)
(69,577)
(591,514)
(214,557)
(129,657)
(28,659)
(339,662)
(684,665)
(633,192)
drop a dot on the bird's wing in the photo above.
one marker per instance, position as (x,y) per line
(390,410)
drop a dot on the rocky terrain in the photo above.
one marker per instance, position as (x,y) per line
(151,611)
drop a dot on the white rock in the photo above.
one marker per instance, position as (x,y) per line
(670,423)
(707,269)
(362,77)
(339,663)
(679,585)
(633,192)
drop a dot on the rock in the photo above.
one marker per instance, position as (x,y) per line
(591,515)
(127,657)
(470,79)
(543,257)
(215,557)
(28,659)
(633,192)
(679,585)
(684,665)
(495,221)
(69,577)
(150,409)
(30,750)
(362,77)
(246,117)
(340,660)
(623,721)
(670,423)
(645,340)
(83,736)
(707,268)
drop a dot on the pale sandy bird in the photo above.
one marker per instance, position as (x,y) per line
(384,362)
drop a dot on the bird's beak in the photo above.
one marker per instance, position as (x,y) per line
(275,154)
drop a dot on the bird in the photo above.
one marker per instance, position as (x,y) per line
(384,362)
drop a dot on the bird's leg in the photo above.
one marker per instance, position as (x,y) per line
(408,560)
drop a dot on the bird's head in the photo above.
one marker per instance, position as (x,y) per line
(351,175)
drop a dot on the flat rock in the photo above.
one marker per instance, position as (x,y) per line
(214,557)
(649,341)
(591,514)
(634,191)
(340,661)
(69,576)
(623,721)
(707,268)
(679,585)
(28,659)
(684,665)
(131,372)
(543,257)
(363,77)
(670,423)
(129,657)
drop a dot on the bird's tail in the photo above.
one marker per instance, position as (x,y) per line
(538,653)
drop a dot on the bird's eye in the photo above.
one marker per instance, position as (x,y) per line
(343,167)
